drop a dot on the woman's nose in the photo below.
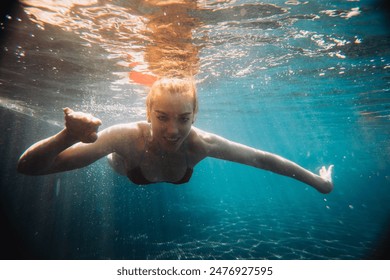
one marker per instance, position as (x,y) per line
(172,128)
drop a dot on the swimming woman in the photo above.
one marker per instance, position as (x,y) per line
(165,148)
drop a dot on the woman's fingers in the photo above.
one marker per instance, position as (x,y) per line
(67,110)
(81,125)
(90,138)
(96,121)
(326,173)
(83,117)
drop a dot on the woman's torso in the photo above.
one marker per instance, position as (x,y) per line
(144,163)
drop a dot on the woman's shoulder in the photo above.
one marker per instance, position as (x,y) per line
(133,128)
(203,137)
(201,140)
(127,136)
(126,132)
(207,142)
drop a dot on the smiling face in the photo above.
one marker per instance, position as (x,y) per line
(171,109)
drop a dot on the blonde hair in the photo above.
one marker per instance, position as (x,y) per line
(185,86)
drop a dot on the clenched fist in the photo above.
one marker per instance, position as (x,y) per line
(81,126)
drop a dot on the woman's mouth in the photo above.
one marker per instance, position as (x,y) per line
(172,140)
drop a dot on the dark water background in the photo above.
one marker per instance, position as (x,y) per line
(309,81)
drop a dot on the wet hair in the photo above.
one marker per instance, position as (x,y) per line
(185,86)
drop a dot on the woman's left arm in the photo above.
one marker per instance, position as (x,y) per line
(221,148)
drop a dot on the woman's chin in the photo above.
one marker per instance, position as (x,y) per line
(171,145)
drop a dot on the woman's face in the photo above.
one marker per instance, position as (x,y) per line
(171,117)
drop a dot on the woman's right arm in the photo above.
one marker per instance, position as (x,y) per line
(76,146)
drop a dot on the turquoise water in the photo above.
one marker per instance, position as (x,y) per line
(306,80)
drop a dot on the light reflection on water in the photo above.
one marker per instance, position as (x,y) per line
(309,79)
(116,47)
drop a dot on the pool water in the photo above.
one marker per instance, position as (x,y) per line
(308,80)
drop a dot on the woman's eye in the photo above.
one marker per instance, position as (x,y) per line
(162,118)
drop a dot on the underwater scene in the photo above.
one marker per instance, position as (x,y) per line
(307,80)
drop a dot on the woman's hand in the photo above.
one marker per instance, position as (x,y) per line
(81,126)
(326,175)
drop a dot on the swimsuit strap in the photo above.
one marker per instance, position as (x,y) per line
(144,151)
(187,176)
(187,160)
(135,174)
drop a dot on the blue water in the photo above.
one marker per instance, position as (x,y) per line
(306,80)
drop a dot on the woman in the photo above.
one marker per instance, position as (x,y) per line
(166,148)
